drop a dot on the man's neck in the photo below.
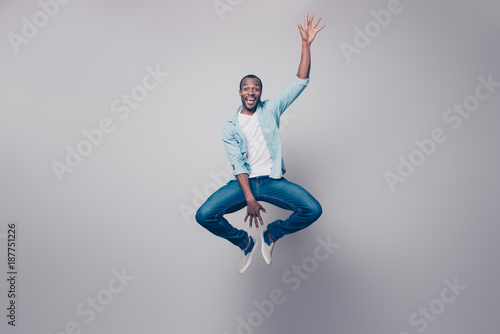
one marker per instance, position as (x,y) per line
(247,112)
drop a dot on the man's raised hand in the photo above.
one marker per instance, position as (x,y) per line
(309,31)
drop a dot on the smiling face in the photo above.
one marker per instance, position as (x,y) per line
(250,92)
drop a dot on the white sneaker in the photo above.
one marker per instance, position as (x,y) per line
(246,259)
(266,249)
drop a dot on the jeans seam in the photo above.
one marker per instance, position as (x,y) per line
(295,209)
(223,213)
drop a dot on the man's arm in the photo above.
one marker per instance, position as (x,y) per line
(253,207)
(307,33)
(236,158)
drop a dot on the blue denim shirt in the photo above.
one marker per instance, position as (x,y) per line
(269,113)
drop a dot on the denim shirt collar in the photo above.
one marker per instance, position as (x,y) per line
(234,118)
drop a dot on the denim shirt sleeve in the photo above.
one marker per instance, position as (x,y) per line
(233,151)
(281,102)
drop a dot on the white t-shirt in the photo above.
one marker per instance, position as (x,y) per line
(258,155)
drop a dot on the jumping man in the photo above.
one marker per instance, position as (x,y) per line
(253,146)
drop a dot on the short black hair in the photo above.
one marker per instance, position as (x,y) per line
(251,76)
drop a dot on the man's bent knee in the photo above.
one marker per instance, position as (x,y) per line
(202,216)
(316,211)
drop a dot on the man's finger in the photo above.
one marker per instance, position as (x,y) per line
(311,20)
(307,18)
(317,22)
(245,220)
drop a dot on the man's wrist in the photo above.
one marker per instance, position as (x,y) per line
(250,199)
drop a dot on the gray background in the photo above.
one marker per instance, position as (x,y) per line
(121,207)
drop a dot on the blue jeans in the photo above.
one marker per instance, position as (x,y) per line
(280,192)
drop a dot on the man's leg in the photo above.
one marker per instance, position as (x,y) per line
(227,199)
(289,196)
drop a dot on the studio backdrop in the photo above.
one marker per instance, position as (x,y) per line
(110,138)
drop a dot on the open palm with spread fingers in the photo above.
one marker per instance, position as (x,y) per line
(309,31)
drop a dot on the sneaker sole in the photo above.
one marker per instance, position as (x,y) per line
(263,250)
